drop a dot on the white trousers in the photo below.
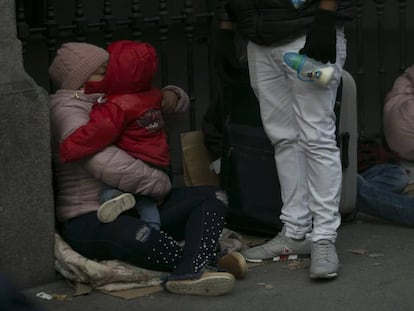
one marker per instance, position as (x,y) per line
(299,120)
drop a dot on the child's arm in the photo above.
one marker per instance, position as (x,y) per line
(106,123)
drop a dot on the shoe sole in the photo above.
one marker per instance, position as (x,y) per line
(111,209)
(204,286)
(278,258)
(324,276)
(235,264)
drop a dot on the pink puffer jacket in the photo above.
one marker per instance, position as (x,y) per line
(399,115)
(78,183)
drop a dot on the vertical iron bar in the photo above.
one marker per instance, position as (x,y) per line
(80,22)
(212,26)
(381,68)
(402,5)
(189,21)
(108,22)
(360,68)
(163,24)
(136,20)
(210,6)
(23,31)
(52,32)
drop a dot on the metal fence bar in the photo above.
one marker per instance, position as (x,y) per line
(80,23)
(360,72)
(402,6)
(51,32)
(163,23)
(108,22)
(23,30)
(381,60)
(189,22)
(136,20)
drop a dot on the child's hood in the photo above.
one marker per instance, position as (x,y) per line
(131,68)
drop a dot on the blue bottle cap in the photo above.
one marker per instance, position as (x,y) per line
(293,60)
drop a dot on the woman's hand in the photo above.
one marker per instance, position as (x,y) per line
(175,99)
(169,101)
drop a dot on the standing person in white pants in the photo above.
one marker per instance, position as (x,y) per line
(299,119)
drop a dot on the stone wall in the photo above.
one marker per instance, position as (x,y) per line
(26,194)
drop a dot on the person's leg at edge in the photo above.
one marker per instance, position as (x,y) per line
(12,298)
(379,194)
(387,177)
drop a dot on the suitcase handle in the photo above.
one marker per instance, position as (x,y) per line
(344,145)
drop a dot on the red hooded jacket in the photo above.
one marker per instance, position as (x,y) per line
(131,115)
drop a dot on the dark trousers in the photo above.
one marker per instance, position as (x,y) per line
(192,214)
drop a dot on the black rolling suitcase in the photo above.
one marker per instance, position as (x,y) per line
(233,131)
(249,175)
(248,170)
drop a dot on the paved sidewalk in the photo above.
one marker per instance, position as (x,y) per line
(376,274)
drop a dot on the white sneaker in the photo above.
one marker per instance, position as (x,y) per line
(324,260)
(209,284)
(280,248)
(111,209)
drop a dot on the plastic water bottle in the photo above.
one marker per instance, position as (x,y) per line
(309,69)
(298,3)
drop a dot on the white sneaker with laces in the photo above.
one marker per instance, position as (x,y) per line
(324,260)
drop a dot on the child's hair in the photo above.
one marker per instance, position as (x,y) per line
(74,64)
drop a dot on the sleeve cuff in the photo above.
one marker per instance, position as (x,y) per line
(183,102)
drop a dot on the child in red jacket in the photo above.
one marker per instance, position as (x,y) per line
(127,115)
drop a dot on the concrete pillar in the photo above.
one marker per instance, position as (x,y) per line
(26,193)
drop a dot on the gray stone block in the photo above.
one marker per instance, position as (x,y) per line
(26,192)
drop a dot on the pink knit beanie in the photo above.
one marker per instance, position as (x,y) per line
(74,63)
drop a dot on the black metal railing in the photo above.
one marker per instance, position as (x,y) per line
(378,50)
(131,26)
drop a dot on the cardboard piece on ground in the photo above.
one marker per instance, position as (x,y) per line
(135,292)
(196,160)
(82,289)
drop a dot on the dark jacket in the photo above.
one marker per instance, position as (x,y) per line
(267,22)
